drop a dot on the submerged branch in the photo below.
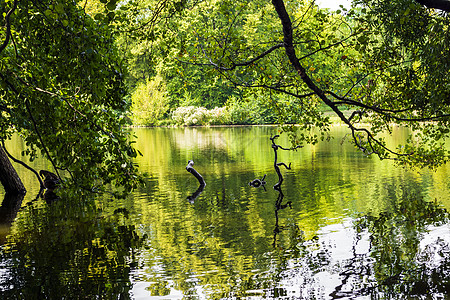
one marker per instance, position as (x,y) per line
(194,172)
(200,179)
(276,164)
(277,186)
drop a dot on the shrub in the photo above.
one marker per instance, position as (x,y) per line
(149,102)
(182,115)
(191,115)
(219,116)
(251,111)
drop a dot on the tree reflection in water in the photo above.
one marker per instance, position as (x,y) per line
(8,212)
(67,251)
(399,254)
(279,202)
(404,262)
(396,262)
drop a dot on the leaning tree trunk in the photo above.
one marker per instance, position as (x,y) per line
(8,176)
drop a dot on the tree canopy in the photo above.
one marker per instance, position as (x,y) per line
(385,61)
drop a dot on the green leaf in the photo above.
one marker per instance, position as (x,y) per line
(112,5)
(59,8)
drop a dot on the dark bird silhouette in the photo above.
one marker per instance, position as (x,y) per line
(257,182)
(51,180)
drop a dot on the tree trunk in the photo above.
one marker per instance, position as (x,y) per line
(8,176)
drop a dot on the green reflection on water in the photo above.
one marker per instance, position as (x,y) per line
(232,241)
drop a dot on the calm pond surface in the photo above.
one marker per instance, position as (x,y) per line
(342,226)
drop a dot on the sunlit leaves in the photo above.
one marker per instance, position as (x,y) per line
(150,102)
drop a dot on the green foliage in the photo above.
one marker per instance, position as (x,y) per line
(236,111)
(250,111)
(149,102)
(232,38)
(407,54)
(384,62)
(154,48)
(190,85)
(63,90)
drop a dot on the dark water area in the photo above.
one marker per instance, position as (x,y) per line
(342,226)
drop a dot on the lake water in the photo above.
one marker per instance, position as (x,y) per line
(342,226)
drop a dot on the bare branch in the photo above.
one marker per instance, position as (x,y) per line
(235,65)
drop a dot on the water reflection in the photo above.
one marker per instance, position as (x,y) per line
(8,212)
(68,250)
(278,186)
(355,227)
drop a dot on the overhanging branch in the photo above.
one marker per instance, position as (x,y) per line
(390,113)
(372,142)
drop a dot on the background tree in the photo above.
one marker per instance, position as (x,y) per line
(63,91)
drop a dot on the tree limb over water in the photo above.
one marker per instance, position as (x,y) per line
(63,88)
